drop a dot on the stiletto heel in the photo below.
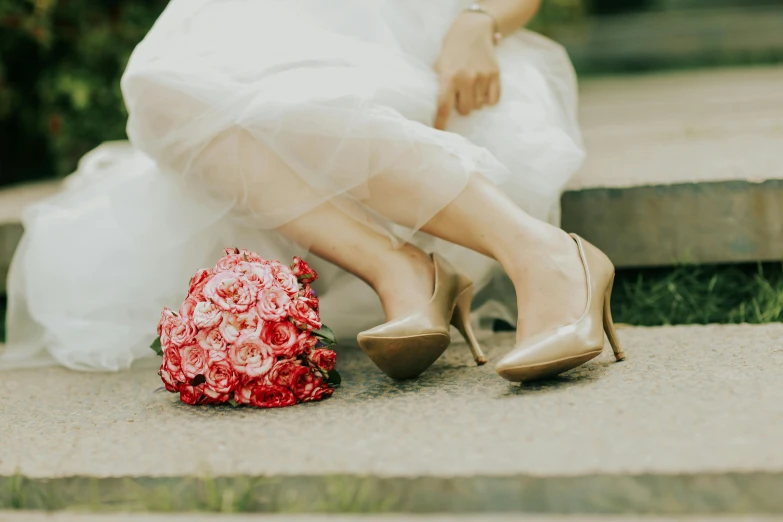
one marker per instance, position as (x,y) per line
(405,347)
(554,352)
(611,333)
(461,321)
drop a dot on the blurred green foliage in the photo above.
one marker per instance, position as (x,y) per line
(60,64)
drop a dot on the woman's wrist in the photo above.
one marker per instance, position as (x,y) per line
(476,22)
(479,11)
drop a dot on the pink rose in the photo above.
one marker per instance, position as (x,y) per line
(237,325)
(273,304)
(234,257)
(230,328)
(303,316)
(259,273)
(221,379)
(197,284)
(287,373)
(207,315)
(171,366)
(166,324)
(265,396)
(194,361)
(188,308)
(231,292)
(303,272)
(211,340)
(324,359)
(184,331)
(169,381)
(311,388)
(281,338)
(251,357)
(285,279)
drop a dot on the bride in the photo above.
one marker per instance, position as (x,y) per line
(370,133)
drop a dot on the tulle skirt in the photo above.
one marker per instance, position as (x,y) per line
(246,114)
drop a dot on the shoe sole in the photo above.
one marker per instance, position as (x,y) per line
(548,369)
(404,358)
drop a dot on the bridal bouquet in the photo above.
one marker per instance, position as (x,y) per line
(248,332)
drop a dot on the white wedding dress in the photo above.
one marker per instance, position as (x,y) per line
(245,114)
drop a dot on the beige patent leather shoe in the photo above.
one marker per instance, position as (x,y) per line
(554,352)
(405,347)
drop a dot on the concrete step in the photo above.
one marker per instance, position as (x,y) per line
(682,167)
(690,424)
(11,516)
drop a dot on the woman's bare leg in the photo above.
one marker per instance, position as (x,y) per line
(541,260)
(401,275)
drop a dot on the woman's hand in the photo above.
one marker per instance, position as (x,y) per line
(468,68)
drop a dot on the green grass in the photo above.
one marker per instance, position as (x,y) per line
(748,293)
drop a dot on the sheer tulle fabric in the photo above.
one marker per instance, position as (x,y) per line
(245,115)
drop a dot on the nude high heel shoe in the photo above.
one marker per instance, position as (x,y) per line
(554,352)
(405,347)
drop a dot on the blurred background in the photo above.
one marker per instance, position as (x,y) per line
(62,60)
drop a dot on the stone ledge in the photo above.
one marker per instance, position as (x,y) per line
(689,424)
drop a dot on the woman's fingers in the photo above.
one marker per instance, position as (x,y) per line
(446,100)
(466,93)
(493,90)
(480,91)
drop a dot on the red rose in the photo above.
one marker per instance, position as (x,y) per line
(308,294)
(197,284)
(193,395)
(303,272)
(287,373)
(194,361)
(266,396)
(324,359)
(310,388)
(303,315)
(281,337)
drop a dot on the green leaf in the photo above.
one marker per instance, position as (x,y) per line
(333,378)
(198,380)
(233,403)
(306,277)
(157,347)
(326,335)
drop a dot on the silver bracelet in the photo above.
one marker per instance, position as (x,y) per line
(476,8)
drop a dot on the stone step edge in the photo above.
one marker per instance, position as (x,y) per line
(652,493)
